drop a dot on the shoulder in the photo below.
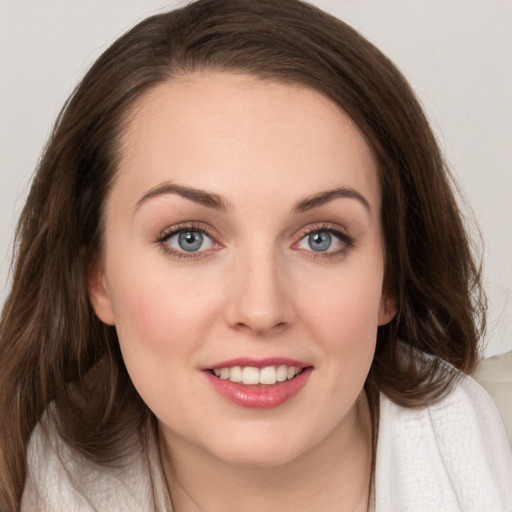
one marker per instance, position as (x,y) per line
(59,478)
(494,374)
(453,455)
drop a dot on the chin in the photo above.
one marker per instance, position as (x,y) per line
(260,453)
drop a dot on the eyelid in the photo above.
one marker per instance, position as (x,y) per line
(323,226)
(164,235)
(337,230)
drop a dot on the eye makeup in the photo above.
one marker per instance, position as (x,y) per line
(324,241)
(195,240)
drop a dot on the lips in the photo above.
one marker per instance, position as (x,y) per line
(250,375)
(259,384)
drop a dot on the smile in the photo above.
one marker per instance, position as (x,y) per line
(260,384)
(250,375)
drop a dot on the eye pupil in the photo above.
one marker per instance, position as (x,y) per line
(319,241)
(190,241)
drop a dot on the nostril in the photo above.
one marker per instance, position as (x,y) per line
(261,328)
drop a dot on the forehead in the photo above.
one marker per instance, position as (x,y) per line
(219,130)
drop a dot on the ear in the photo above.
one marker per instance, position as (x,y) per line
(387,308)
(99,296)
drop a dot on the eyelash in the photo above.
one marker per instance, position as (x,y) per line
(348,241)
(162,238)
(333,229)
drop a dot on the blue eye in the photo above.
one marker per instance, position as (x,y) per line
(328,241)
(319,241)
(188,240)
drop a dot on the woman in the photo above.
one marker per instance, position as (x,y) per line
(242,279)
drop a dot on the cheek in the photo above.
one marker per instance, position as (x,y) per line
(344,317)
(163,320)
(346,301)
(158,334)
(349,329)
(156,317)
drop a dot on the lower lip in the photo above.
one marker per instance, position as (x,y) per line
(259,396)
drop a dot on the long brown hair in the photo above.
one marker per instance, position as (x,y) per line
(53,349)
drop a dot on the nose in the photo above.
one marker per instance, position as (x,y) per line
(260,300)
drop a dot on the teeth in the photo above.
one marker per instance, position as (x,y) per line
(282,373)
(235,374)
(250,375)
(268,375)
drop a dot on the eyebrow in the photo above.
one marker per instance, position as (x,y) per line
(202,197)
(218,202)
(317,200)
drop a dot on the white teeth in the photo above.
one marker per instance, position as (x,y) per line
(268,375)
(235,374)
(282,373)
(249,375)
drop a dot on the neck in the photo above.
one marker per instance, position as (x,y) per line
(334,475)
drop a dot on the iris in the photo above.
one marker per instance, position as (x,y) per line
(319,241)
(190,241)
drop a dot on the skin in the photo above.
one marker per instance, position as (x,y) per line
(254,289)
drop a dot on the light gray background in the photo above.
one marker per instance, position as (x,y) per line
(457,54)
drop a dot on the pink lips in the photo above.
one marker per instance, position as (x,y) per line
(259,396)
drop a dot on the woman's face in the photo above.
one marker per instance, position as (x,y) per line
(243,265)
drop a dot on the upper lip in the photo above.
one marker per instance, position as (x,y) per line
(259,363)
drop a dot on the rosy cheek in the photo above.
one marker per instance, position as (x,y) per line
(161,314)
(348,315)
(138,311)
(144,312)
